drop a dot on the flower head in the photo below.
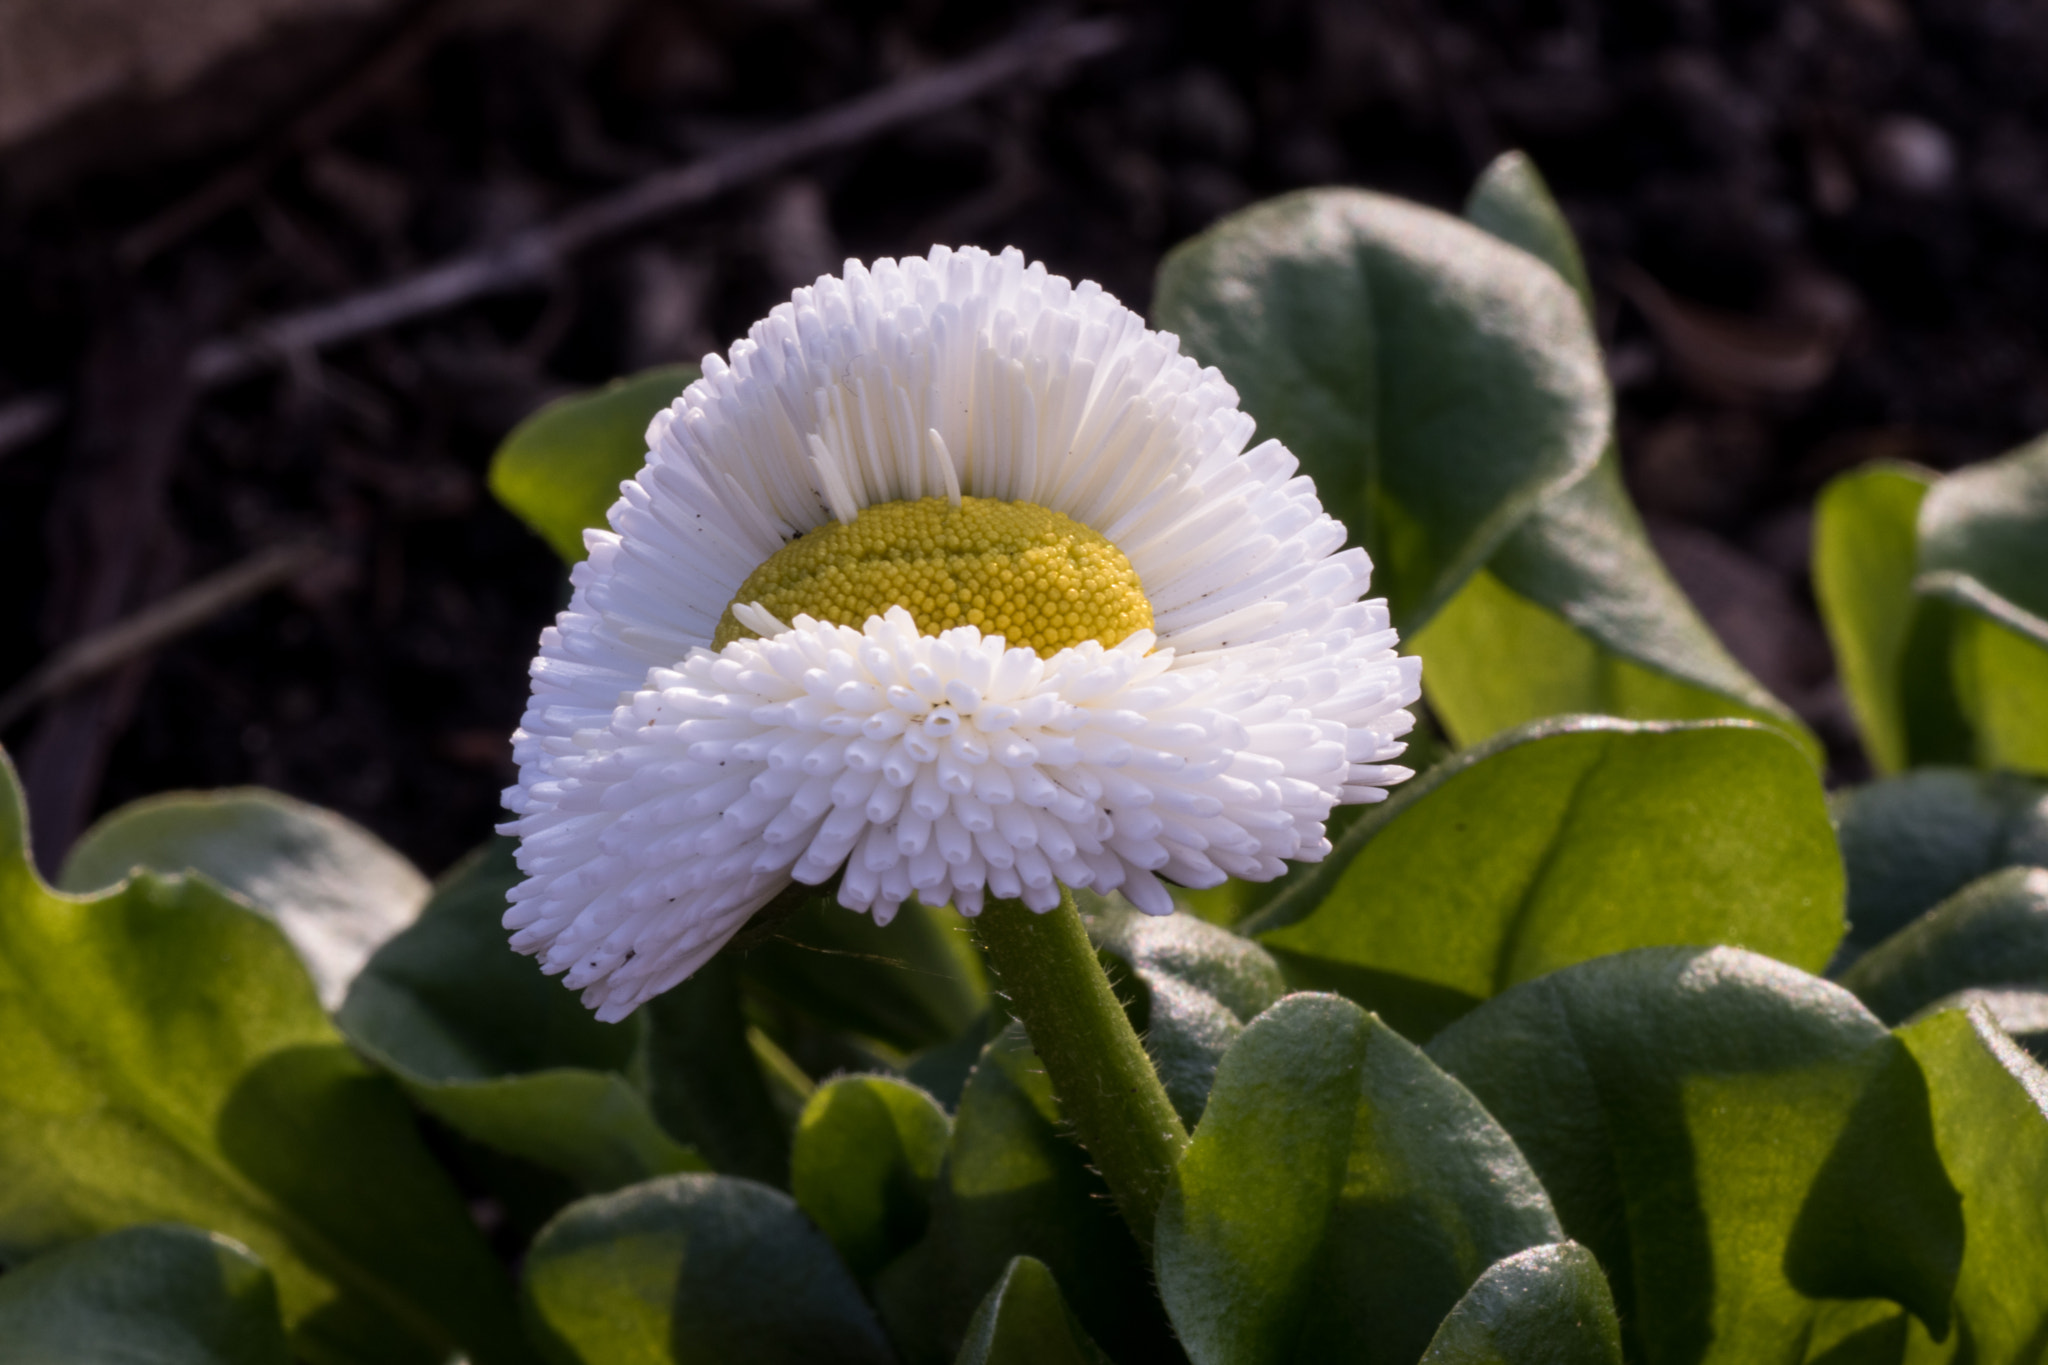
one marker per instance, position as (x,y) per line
(955,581)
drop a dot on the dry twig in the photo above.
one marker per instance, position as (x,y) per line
(309,131)
(110,542)
(531,257)
(1735,358)
(156,624)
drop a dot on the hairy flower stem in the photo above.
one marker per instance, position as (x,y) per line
(1105,1083)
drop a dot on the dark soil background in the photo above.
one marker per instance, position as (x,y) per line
(1817,228)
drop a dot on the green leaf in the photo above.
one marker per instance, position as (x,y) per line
(715,1081)
(694,1270)
(942,1071)
(1511,201)
(1913,841)
(1191,987)
(1735,1141)
(867,1152)
(789,1086)
(1576,615)
(1340,1196)
(1016,1184)
(912,983)
(1983,549)
(1934,596)
(1434,381)
(1864,543)
(1994,932)
(1024,1321)
(1984,539)
(2001,685)
(1575,596)
(1598,835)
(1549,1304)
(560,470)
(337,890)
(167,1060)
(1861,1332)
(499,1052)
(164,1295)
(1990,1103)
(2021,1014)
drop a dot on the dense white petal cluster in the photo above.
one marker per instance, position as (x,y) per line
(667,791)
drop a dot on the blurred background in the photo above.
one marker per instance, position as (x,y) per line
(1818,230)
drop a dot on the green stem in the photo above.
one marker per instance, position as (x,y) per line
(1105,1083)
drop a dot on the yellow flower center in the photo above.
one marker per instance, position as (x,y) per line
(1027,573)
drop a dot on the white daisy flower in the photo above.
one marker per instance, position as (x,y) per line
(955,581)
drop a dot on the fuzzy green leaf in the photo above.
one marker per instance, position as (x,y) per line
(1575,595)
(158,1295)
(1549,1305)
(718,1083)
(1983,554)
(1994,932)
(1984,539)
(695,1270)
(1015,1183)
(1990,1103)
(2001,686)
(560,469)
(337,890)
(1511,200)
(1339,1197)
(1025,1321)
(167,1060)
(1863,551)
(1598,836)
(1583,611)
(1736,1141)
(1912,841)
(1434,381)
(487,1044)
(2022,1014)
(867,1151)
(1190,989)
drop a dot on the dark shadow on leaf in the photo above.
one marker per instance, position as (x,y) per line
(1881,1343)
(1882,1213)
(704,1083)
(928,1295)
(1417,1010)
(1389,1272)
(288,1107)
(1016,1184)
